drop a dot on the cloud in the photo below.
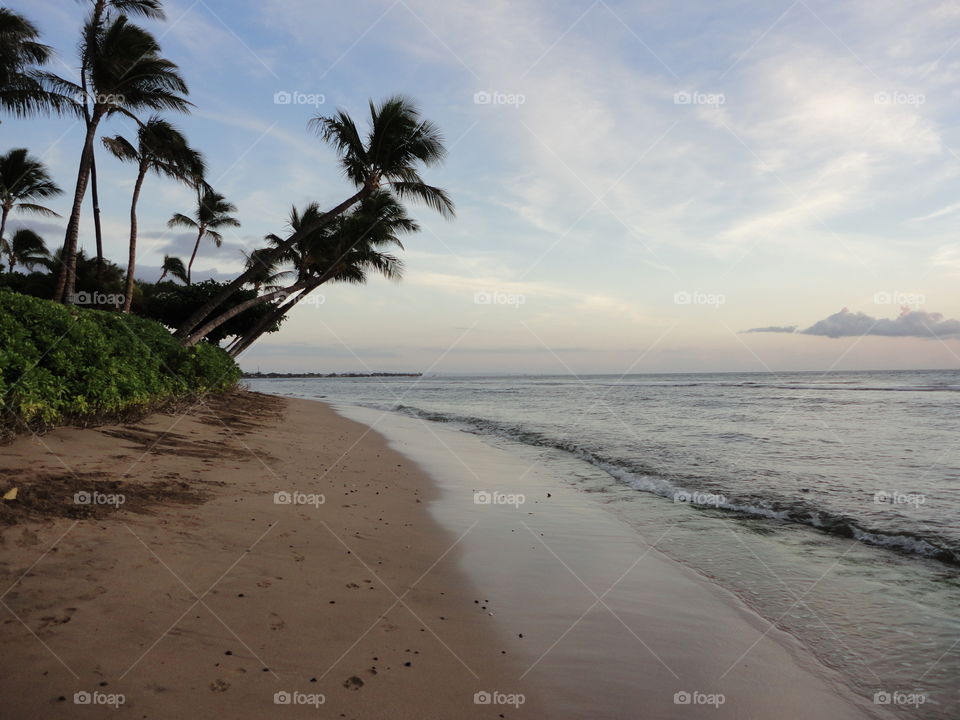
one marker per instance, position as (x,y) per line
(151,273)
(947,258)
(910,323)
(47,229)
(938,213)
(181,245)
(773,329)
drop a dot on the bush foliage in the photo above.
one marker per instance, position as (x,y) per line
(60,362)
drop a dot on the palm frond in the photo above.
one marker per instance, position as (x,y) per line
(433,197)
(181,220)
(37,209)
(146,8)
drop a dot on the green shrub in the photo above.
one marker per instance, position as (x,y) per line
(60,363)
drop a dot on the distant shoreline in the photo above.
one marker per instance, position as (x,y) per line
(260,376)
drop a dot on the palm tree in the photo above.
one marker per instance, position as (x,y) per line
(213,212)
(23,88)
(174,267)
(145,8)
(343,251)
(28,249)
(268,273)
(126,73)
(397,143)
(23,179)
(351,266)
(160,148)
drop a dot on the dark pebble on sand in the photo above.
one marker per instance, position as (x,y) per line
(407,664)
(229,652)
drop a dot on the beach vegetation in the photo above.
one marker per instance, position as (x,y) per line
(66,363)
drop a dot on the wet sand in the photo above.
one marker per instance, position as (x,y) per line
(397,596)
(210,604)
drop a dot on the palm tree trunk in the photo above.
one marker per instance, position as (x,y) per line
(132,257)
(217,300)
(3,227)
(67,279)
(97,230)
(242,342)
(98,9)
(203,331)
(266,322)
(196,247)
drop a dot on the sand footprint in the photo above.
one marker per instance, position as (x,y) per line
(276,622)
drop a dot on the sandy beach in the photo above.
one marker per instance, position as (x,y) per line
(155,569)
(208,603)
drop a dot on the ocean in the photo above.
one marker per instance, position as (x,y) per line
(829,503)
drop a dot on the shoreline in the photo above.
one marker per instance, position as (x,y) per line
(610,623)
(201,605)
(204,601)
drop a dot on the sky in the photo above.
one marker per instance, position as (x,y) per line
(641,186)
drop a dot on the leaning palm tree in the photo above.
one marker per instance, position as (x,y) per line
(337,256)
(213,212)
(164,150)
(23,179)
(398,142)
(269,275)
(174,267)
(126,73)
(23,87)
(28,249)
(341,251)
